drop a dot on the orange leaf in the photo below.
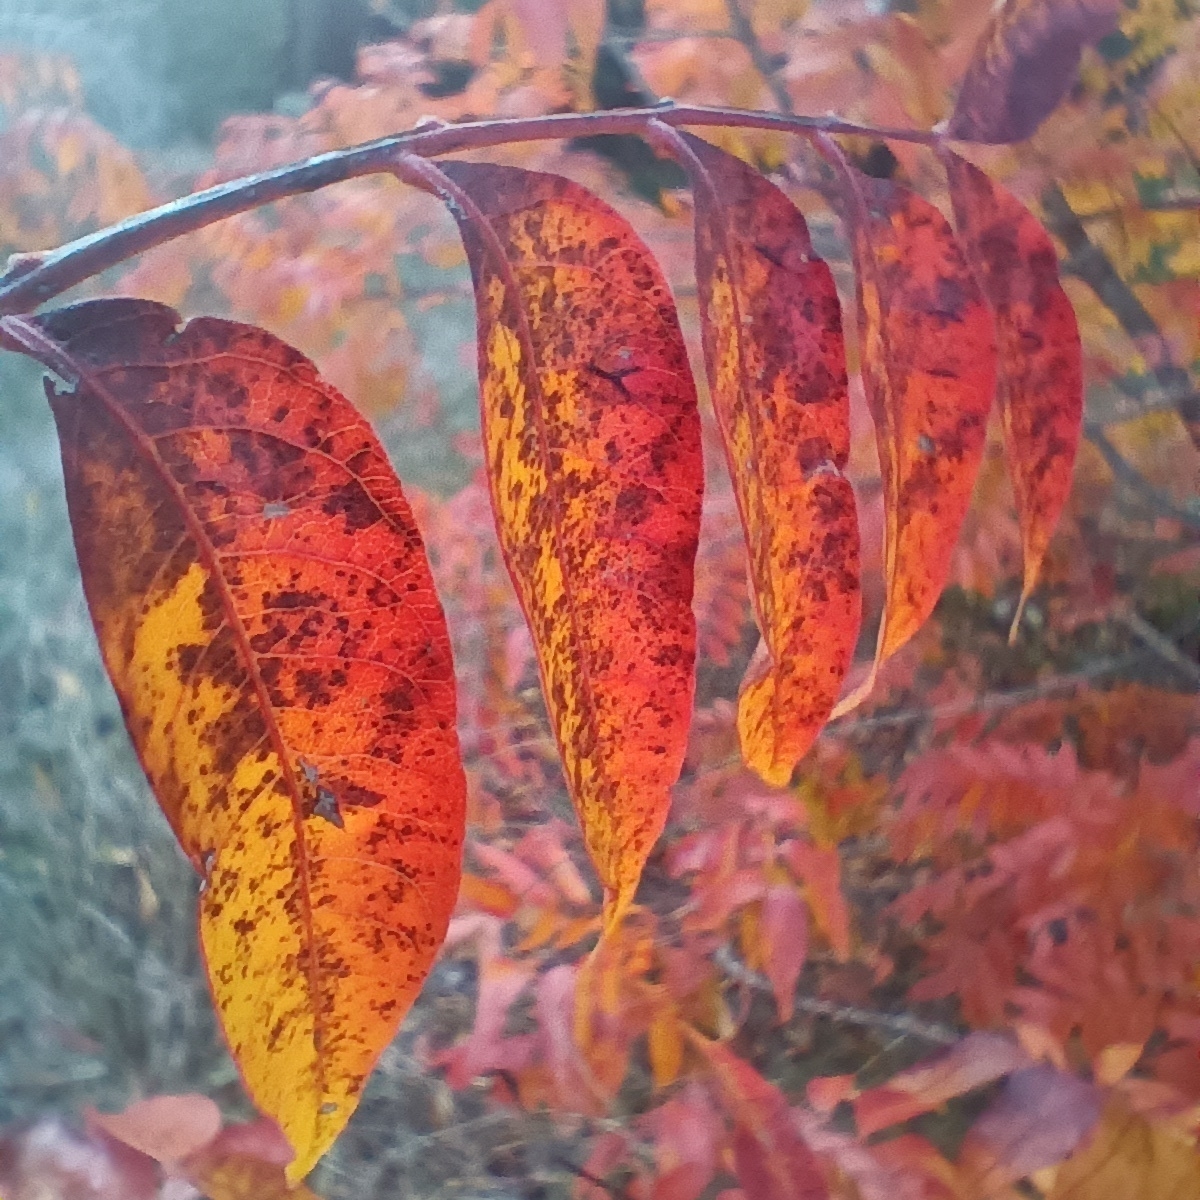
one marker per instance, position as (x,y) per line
(1024,64)
(772,332)
(1041,368)
(267,616)
(592,440)
(242,1177)
(664,1047)
(929,371)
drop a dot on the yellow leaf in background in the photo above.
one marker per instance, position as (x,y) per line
(1090,196)
(664,1044)
(1131,1159)
(1114,1062)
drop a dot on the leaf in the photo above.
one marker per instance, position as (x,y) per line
(929,371)
(664,1047)
(1040,385)
(243,1177)
(266,614)
(979,1059)
(776,362)
(592,442)
(165,1128)
(785,944)
(1039,1118)
(1130,1156)
(1024,64)
(772,1160)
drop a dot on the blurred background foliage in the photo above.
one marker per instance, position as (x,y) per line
(964,764)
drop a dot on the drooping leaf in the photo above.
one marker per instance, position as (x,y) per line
(1024,64)
(784,944)
(266,614)
(592,443)
(929,371)
(1040,385)
(776,362)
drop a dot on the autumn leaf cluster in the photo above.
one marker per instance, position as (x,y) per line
(1001,845)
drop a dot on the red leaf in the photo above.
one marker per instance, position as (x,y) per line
(979,1059)
(1040,386)
(1024,64)
(929,370)
(772,1160)
(773,348)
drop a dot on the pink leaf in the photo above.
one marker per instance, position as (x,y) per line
(165,1128)
(979,1059)
(1039,1118)
(785,944)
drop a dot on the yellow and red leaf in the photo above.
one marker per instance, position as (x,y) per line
(1040,388)
(266,613)
(592,444)
(929,371)
(776,362)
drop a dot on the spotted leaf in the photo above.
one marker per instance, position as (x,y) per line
(776,362)
(1041,365)
(929,371)
(592,443)
(267,616)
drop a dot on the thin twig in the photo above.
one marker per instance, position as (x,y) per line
(1087,261)
(743,31)
(986,702)
(33,279)
(1162,646)
(900,1024)
(1162,503)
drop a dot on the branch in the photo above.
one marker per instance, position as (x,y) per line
(900,1024)
(31,280)
(743,31)
(1088,262)
(1160,502)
